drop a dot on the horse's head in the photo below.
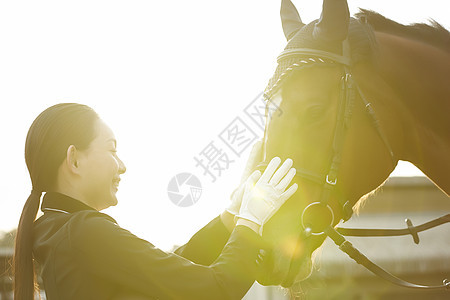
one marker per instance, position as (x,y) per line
(341,149)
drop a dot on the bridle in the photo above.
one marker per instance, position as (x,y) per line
(328,181)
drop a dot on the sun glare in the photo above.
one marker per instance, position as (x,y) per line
(167,76)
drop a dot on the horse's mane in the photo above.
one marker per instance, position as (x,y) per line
(434,34)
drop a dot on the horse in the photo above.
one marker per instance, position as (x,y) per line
(355,95)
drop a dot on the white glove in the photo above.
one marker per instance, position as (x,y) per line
(265,194)
(253,159)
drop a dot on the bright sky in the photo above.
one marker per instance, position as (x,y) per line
(167,76)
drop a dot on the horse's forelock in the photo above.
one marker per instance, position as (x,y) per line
(360,37)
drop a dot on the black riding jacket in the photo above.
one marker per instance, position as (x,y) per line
(84,254)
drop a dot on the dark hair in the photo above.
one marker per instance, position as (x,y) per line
(48,139)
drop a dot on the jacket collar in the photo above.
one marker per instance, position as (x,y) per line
(54,201)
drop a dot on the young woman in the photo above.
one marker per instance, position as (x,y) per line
(83,254)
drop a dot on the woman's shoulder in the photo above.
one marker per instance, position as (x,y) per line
(59,230)
(90,223)
(94,234)
(90,217)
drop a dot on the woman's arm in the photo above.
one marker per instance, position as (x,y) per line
(206,245)
(113,253)
(227,219)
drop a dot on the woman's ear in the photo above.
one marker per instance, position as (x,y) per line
(72,159)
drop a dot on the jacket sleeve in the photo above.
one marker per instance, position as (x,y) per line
(113,253)
(205,246)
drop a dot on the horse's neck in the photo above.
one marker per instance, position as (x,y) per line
(434,159)
(420,76)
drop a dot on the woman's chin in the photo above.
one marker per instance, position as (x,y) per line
(114,200)
(110,201)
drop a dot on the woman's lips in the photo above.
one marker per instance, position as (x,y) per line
(116,183)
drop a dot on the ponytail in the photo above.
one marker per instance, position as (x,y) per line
(24,274)
(48,139)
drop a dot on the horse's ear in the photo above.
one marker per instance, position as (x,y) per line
(333,22)
(290,19)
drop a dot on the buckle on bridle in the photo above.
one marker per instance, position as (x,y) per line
(331,182)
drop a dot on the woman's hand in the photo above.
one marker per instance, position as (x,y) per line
(228,216)
(265,194)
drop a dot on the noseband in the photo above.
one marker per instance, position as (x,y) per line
(328,181)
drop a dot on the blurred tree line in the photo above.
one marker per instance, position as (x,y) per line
(6,244)
(7,239)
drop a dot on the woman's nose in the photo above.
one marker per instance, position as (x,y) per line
(122,167)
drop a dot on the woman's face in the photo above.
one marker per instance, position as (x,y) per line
(100,169)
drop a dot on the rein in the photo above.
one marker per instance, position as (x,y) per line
(328,181)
